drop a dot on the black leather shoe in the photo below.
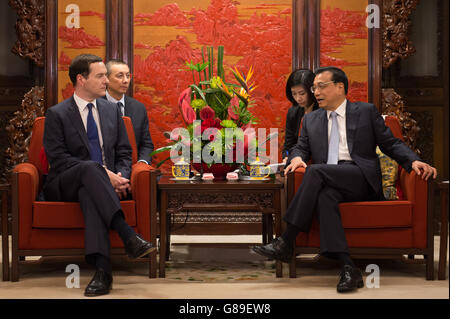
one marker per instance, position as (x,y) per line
(350,279)
(137,247)
(99,285)
(277,250)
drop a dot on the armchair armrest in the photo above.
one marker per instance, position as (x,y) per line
(293,182)
(143,188)
(27,181)
(420,194)
(25,187)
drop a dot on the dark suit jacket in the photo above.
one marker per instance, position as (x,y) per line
(365,130)
(66,142)
(293,118)
(138,114)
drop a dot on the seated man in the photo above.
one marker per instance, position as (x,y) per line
(119,80)
(90,162)
(340,138)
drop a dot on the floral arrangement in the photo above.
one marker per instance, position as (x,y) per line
(210,108)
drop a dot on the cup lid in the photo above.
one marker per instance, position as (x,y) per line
(257,162)
(181,162)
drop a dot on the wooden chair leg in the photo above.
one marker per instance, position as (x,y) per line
(429,266)
(293,267)
(14,267)
(152,265)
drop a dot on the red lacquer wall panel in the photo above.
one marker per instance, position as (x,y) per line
(89,37)
(344,42)
(254,33)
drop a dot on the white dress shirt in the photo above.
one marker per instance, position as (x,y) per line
(344,153)
(84,111)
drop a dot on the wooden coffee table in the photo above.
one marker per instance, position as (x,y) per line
(186,196)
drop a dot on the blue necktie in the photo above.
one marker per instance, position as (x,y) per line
(92,133)
(333,146)
(121,108)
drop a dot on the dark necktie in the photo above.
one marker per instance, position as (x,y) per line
(92,133)
(333,146)
(121,108)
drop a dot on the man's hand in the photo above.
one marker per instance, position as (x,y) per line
(296,162)
(424,170)
(120,184)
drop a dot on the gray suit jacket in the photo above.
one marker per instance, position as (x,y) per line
(365,131)
(66,142)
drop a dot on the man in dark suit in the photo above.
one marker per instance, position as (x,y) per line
(340,138)
(87,147)
(119,78)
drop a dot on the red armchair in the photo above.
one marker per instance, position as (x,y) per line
(388,229)
(42,228)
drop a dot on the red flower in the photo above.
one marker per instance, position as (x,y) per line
(207,113)
(185,96)
(215,123)
(188,112)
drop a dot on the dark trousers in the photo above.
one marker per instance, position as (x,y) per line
(322,189)
(89,184)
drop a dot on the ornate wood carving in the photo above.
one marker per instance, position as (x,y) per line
(19,128)
(424,140)
(30,28)
(175,203)
(396,25)
(393,105)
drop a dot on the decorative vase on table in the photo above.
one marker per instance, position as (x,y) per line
(219,171)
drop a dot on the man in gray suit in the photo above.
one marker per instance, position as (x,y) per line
(119,77)
(87,147)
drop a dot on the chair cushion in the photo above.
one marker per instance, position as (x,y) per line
(378,214)
(389,175)
(69,215)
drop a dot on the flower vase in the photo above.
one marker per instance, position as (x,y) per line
(219,171)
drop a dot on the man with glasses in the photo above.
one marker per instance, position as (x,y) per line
(340,139)
(119,77)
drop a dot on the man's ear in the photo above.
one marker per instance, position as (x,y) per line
(80,78)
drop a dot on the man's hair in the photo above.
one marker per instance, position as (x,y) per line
(81,65)
(338,76)
(111,63)
(303,77)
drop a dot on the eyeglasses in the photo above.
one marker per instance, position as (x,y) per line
(320,85)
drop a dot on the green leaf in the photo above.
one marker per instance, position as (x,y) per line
(199,91)
(161,149)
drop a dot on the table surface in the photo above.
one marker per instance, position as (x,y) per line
(168,182)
